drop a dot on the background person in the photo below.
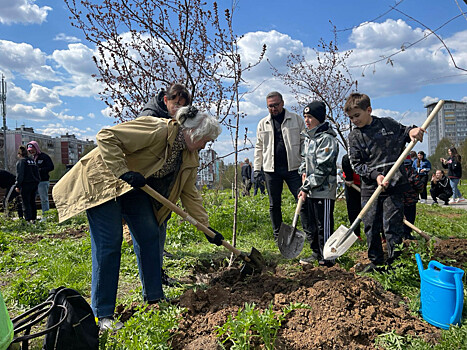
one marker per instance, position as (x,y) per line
(411,196)
(7,182)
(106,182)
(165,105)
(246,177)
(422,167)
(277,151)
(319,175)
(440,187)
(353,198)
(27,180)
(45,165)
(454,166)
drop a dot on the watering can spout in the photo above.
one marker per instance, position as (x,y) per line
(419,264)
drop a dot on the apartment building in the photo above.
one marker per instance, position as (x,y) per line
(450,122)
(65,149)
(208,171)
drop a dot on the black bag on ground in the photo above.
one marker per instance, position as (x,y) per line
(70,323)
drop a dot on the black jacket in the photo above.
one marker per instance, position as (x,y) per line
(454,168)
(45,165)
(156,107)
(442,186)
(7,179)
(373,150)
(246,171)
(26,172)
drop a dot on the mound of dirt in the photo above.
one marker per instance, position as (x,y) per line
(347,310)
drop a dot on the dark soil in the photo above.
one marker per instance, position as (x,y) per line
(347,310)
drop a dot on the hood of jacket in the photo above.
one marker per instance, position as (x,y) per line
(321,128)
(35,145)
(156,107)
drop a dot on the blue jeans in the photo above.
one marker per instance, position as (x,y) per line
(43,190)
(455,191)
(105,223)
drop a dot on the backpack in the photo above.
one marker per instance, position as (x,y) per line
(415,180)
(70,324)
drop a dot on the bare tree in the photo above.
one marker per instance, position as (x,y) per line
(326,78)
(143,45)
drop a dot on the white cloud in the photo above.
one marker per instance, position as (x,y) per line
(22,11)
(429,100)
(26,60)
(57,129)
(67,38)
(21,111)
(423,64)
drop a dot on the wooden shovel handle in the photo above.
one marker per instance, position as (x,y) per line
(297,211)
(407,223)
(154,194)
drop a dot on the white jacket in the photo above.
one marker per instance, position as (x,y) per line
(292,126)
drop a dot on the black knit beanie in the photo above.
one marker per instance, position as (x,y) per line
(317,109)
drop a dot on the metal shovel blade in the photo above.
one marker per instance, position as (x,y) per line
(339,242)
(290,241)
(254,262)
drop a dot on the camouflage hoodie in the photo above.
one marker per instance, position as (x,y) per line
(319,162)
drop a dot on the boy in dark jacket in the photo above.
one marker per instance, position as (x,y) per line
(374,146)
(440,187)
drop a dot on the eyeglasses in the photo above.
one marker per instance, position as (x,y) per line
(275,105)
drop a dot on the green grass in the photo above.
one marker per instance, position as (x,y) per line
(35,259)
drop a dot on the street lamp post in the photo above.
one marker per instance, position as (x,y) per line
(3,104)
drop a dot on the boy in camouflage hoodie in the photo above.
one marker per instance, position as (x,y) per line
(319,177)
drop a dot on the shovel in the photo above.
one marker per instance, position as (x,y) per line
(290,241)
(341,240)
(253,261)
(407,223)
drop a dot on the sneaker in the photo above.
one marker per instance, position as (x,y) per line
(423,201)
(434,203)
(452,200)
(460,199)
(309,260)
(168,281)
(109,323)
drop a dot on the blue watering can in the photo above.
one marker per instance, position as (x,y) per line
(441,293)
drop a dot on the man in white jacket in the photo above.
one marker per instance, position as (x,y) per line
(277,150)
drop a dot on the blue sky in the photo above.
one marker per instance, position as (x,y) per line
(48,64)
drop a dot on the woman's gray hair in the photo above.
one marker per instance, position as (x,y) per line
(200,125)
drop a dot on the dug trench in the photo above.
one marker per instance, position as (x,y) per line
(345,310)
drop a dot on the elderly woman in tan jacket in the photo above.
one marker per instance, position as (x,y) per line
(159,152)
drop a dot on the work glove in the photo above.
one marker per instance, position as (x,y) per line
(218,238)
(256,173)
(134,178)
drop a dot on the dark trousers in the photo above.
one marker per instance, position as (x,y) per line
(353,201)
(317,217)
(259,185)
(28,194)
(385,215)
(438,194)
(410,211)
(424,179)
(274,185)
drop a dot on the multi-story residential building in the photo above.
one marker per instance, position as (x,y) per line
(208,171)
(450,122)
(66,149)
